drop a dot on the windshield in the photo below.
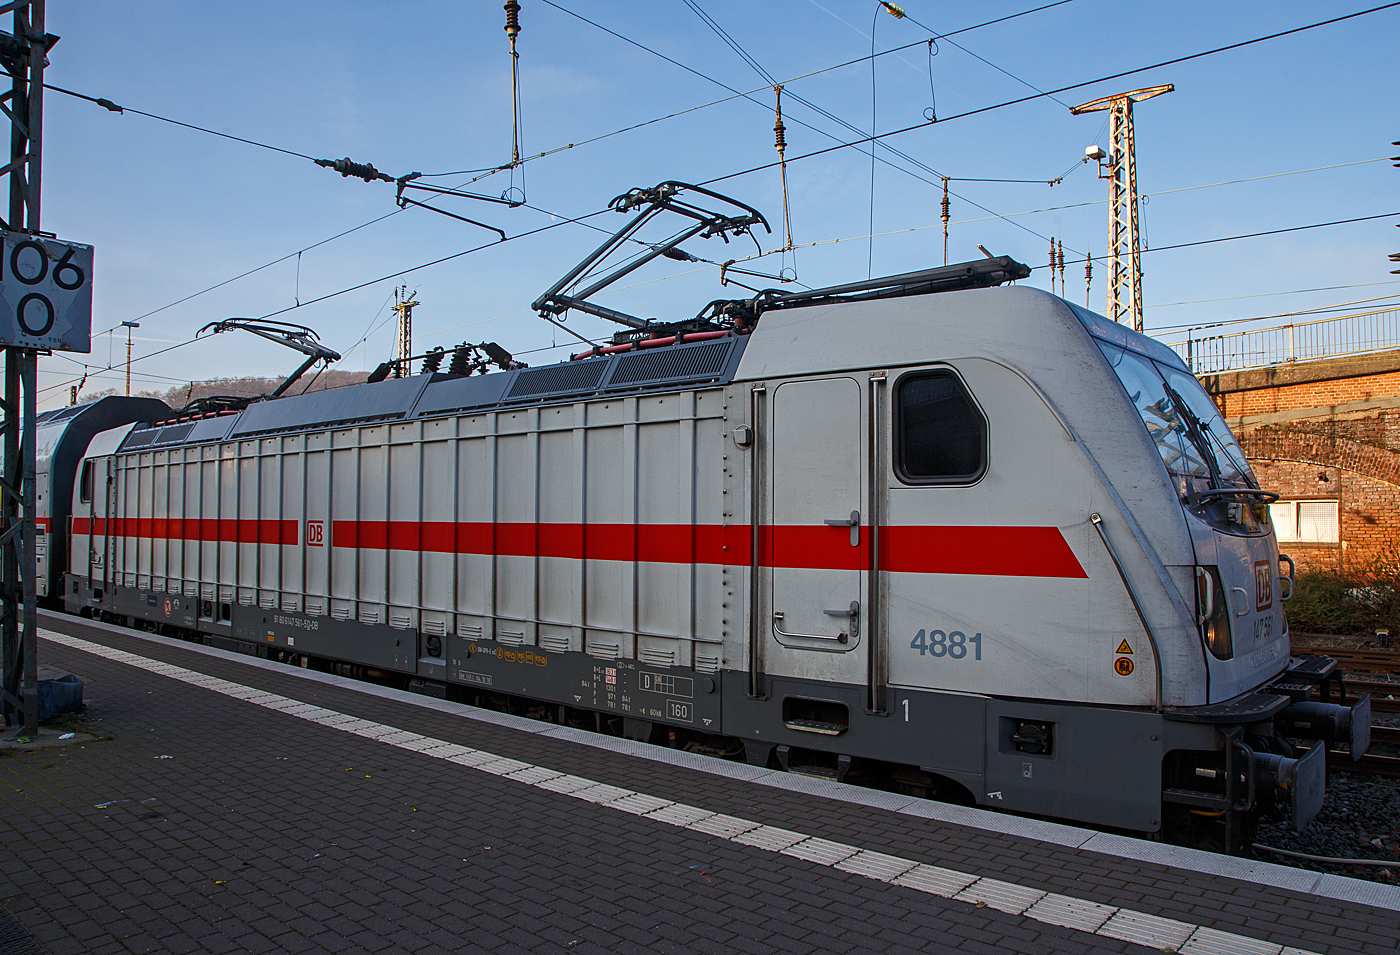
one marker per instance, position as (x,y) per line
(1191,436)
(1229,458)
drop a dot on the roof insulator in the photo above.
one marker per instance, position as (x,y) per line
(432,361)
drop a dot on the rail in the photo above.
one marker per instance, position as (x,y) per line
(1206,353)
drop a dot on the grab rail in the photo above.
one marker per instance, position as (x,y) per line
(1142,618)
(875,651)
(756,634)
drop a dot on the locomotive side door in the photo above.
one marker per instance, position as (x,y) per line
(815,540)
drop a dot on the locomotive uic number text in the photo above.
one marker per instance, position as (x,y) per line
(1263,629)
(936,643)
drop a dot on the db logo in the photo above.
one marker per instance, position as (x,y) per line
(1263,584)
(315,533)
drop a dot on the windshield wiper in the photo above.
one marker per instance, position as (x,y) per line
(1195,432)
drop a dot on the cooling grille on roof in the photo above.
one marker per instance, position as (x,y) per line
(671,363)
(558,379)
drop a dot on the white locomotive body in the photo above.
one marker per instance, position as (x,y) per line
(984,537)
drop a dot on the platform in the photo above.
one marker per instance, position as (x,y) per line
(232,804)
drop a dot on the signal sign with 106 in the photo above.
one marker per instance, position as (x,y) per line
(45,293)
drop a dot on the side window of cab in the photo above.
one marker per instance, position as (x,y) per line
(940,435)
(85,484)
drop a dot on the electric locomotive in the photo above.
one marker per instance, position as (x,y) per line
(932,531)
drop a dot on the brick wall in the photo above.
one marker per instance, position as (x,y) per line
(1326,430)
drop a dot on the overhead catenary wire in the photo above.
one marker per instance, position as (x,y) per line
(1220,49)
(1063,89)
(429,264)
(108,104)
(736,95)
(1296,291)
(904,15)
(113,107)
(1295,313)
(853,238)
(382,278)
(825,113)
(979,110)
(487,171)
(1255,235)
(1008,215)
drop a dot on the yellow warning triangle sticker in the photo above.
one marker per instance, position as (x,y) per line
(1124,648)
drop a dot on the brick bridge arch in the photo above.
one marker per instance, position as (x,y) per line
(1329,451)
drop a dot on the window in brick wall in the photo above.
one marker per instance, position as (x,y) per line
(1306,522)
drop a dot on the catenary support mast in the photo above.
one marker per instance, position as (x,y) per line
(1124,246)
(403,340)
(22,54)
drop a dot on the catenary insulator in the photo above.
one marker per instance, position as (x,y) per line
(461,360)
(512,19)
(360,170)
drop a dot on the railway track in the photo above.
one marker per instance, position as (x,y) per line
(1373,660)
(1385,697)
(1369,764)
(1372,763)
(1385,694)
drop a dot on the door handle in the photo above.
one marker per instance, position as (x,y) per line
(853,522)
(853,612)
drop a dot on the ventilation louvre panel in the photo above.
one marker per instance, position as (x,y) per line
(557,642)
(658,657)
(671,363)
(558,379)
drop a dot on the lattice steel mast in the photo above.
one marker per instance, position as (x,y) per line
(403,340)
(22,54)
(1124,248)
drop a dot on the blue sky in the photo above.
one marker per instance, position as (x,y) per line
(425,86)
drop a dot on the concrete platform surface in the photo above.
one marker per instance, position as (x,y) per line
(231,804)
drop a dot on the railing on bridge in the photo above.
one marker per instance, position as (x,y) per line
(1297,341)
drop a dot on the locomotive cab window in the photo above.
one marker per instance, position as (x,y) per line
(85,485)
(940,435)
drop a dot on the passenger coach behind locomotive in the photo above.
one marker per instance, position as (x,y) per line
(978,541)
(63,436)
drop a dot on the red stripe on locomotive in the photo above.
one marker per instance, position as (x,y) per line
(977,550)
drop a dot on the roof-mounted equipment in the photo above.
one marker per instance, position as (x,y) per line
(983,273)
(466,360)
(647,203)
(296,337)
